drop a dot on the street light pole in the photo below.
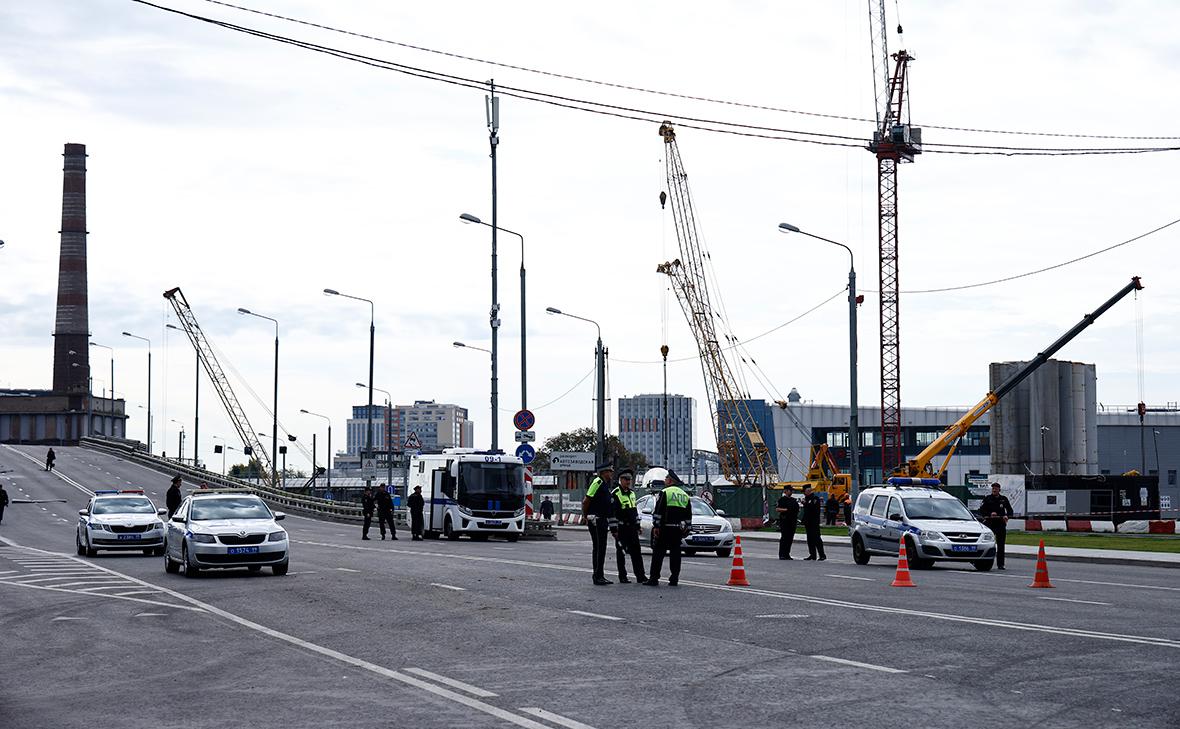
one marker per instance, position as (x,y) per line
(1044,459)
(493,114)
(854,407)
(329,421)
(372,343)
(600,367)
(149,386)
(274,439)
(112,408)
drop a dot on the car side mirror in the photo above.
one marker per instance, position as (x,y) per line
(720,512)
(895,517)
(279,516)
(161,512)
(82,512)
(180,520)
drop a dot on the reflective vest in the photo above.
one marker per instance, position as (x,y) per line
(675,496)
(624,510)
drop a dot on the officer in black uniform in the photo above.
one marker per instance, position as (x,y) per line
(597,508)
(385,513)
(624,527)
(368,506)
(671,521)
(812,507)
(173,497)
(788,522)
(996,510)
(415,502)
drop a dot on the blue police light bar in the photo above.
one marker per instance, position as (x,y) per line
(106,491)
(907,481)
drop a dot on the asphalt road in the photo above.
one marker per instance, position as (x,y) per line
(491,634)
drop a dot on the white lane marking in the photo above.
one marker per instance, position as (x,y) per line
(448,587)
(1080,602)
(64,617)
(8,572)
(555,718)
(346,569)
(104,587)
(151,615)
(138,592)
(97,581)
(16,580)
(850,577)
(781,615)
(1096,582)
(989,622)
(858,664)
(593,615)
(452,682)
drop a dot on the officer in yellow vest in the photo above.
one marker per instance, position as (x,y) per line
(624,526)
(597,507)
(671,522)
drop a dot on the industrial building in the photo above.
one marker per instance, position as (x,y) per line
(643,425)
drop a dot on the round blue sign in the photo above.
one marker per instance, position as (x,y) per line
(524,420)
(526,452)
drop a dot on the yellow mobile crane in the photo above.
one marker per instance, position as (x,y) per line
(823,475)
(922,466)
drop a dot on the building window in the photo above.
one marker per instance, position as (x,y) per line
(1171,477)
(838,439)
(926,437)
(869,438)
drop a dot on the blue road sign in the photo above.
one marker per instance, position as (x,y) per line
(524,420)
(526,453)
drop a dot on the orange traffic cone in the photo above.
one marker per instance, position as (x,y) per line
(1042,577)
(737,575)
(902,578)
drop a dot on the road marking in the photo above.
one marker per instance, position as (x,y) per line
(850,577)
(781,615)
(858,664)
(1097,582)
(452,682)
(138,592)
(64,617)
(555,718)
(346,569)
(151,615)
(594,615)
(448,587)
(1080,602)
(96,581)
(65,478)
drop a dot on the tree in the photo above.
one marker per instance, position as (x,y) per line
(583,440)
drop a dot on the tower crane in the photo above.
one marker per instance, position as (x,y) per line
(745,458)
(894,141)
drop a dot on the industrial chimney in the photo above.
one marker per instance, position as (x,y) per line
(72,332)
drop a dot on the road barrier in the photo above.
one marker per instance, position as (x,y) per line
(1041,579)
(737,573)
(902,577)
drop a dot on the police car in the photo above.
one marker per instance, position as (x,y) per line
(222,528)
(935,525)
(710,529)
(120,520)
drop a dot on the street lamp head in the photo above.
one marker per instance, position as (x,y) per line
(458,344)
(361,384)
(244,311)
(173,326)
(331,292)
(551,310)
(788,228)
(303,411)
(469,218)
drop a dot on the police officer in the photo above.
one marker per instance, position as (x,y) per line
(811,516)
(624,526)
(368,506)
(416,502)
(788,522)
(385,513)
(3,501)
(172,497)
(597,507)
(671,520)
(995,510)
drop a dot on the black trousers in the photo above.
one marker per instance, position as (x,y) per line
(367,524)
(669,544)
(815,543)
(1,513)
(599,530)
(416,523)
(628,544)
(786,538)
(383,518)
(1001,532)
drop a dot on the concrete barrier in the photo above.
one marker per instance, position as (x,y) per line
(1017,525)
(1134,526)
(1102,526)
(1161,527)
(1053,526)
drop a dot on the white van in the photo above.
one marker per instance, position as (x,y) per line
(465,491)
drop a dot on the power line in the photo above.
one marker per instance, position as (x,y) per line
(647,116)
(659,92)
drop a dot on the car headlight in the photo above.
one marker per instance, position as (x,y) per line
(987,537)
(520,511)
(277,536)
(464,510)
(932,536)
(95,526)
(726,526)
(203,538)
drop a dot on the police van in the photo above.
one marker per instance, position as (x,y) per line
(472,492)
(936,526)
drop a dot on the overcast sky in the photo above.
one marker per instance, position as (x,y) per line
(254,174)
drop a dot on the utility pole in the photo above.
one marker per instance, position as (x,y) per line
(492,104)
(600,357)
(664,441)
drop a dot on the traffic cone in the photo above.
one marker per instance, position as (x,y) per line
(1042,576)
(737,574)
(902,578)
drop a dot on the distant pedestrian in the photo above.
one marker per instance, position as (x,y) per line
(788,522)
(385,513)
(547,509)
(671,522)
(368,506)
(847,509)
(172,497)
(415,502)
(50,457)
(811,518)
(996,510)
(831,509)
(597,507)
(624,527)
(3,502)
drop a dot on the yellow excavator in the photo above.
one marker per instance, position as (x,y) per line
(822,475)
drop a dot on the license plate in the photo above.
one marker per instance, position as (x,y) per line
(963,548)
(701,539)
(128,537)
(241,550)
(493,522)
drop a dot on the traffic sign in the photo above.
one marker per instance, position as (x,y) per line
(571,461)
(524,420)
(526,436)
(369,468)
(412,443)
(526,452)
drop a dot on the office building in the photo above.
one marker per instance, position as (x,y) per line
(642,426)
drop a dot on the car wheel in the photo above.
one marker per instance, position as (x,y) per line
(449,530)
(91,551)
(911,552)
(149,552)
(157,551)
(78,545)
(280,569)
(480,537)
(860,555)
(189,569)
(169,566)
(723,552)
(983,565)
(513,537)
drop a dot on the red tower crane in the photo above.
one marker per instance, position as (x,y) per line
(894,141)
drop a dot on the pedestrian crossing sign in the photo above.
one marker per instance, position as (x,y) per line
(412,443)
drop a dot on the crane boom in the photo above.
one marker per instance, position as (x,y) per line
(921,465)
(744,457)
(188,321)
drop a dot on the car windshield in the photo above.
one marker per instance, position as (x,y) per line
(237,507)
(700,508)
(123,506)
(496,486)
(927,508)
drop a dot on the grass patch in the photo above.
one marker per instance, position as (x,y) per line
(1144,543)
